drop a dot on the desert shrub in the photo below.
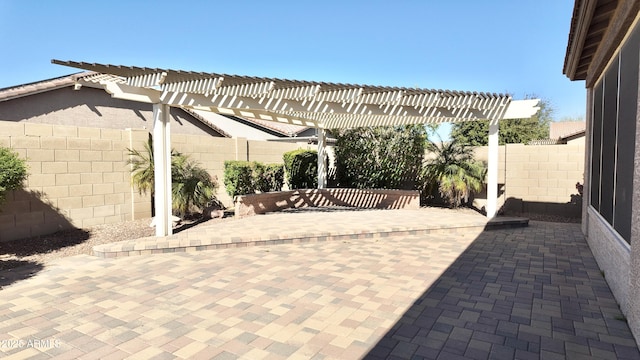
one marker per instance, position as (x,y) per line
(301,168)
(192,186)
(13,172)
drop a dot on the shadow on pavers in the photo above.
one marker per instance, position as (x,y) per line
(506,297)
(12,271)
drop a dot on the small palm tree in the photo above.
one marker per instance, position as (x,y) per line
(454,172)
(191,184)
(142,175)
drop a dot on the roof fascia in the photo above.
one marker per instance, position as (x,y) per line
(619,28)
(580,27)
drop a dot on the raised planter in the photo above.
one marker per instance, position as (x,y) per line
(253,204)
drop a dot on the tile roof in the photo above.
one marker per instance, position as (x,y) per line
(560,130)
(282,128)
(36,87)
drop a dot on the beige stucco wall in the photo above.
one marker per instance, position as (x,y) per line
(90,107)
(613,255)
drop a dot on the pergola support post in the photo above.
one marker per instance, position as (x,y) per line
(492,170)
(162,169)
(322,150)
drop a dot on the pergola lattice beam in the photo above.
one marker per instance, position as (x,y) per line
(330,112)
(327,114)
(280,96)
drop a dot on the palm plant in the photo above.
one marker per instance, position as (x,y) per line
(191,184)
(452,169)
(141,161)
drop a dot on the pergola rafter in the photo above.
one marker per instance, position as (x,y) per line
(321,105)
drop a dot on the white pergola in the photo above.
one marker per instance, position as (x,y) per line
(308,103)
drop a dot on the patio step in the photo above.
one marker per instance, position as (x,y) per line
(506,222)
(292,228)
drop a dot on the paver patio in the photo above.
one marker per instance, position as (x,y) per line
(532,292)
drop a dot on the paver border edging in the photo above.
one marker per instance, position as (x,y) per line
(152,245)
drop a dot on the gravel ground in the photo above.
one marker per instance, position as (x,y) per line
(43,249)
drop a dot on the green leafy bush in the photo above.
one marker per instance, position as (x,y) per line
(379,157)
(238,178)
(13,172)
(244,177)
(267,177)
(301,168)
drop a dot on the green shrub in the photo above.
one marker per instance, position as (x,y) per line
(301,168)
(244,177)
(267,177)
(13,172)
(238,177)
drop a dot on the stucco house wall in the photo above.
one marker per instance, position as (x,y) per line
(603,50)
(88,107)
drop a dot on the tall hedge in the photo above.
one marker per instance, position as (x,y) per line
(301,168)
(13,172)
(380,157)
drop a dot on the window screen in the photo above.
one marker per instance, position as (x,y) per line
(626,142)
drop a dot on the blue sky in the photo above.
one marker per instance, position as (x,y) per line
(502,46)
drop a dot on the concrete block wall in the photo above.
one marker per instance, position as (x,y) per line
(538,178)
(211,153)
(78,177)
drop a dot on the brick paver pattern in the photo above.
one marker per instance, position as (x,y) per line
(527,293)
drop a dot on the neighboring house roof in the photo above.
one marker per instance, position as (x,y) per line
(228,126)
(285,129)
(251,129)
(566,129)
(18,91)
